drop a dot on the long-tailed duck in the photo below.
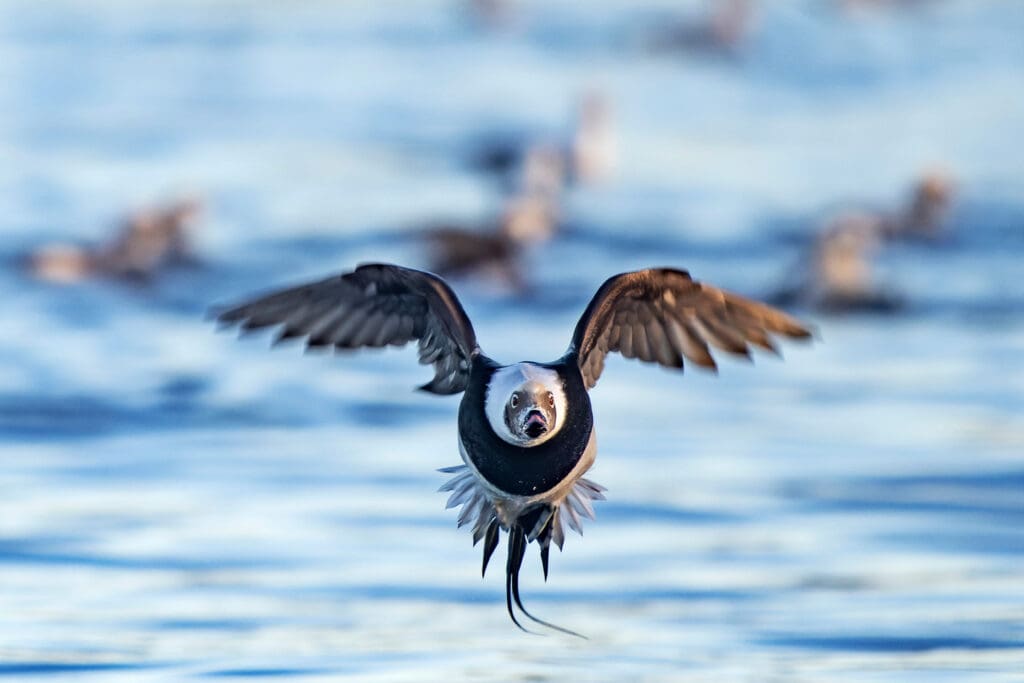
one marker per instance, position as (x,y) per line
(835,276)
(147,242)
(925,216)
(495,247)
(835,273)
(722,32)
(586,155)
(526,430)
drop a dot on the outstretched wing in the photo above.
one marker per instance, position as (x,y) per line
(662,315)
(375,305)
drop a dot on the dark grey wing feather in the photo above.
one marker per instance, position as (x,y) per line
(662,315)
(373,306)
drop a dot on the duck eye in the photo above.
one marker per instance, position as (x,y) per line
(551,400)
(515,400)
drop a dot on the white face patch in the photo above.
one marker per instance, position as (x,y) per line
(529,379)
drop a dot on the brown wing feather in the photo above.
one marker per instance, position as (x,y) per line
(662,315)
(375,305)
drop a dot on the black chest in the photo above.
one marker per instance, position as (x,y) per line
(513,469)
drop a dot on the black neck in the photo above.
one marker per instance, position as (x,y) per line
(515,469)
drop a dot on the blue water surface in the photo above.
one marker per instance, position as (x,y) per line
(179,505)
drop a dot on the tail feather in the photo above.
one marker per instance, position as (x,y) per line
(490,544)
(516,552)
(543,522)
(515,562)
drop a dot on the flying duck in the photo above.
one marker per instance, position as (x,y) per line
(526,430)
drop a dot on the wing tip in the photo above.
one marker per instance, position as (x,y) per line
(807,333)
(216,313)
(800,333)
(226,315)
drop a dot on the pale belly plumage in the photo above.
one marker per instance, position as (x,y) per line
(539,517)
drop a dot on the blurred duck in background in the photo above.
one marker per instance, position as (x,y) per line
(868,5)
(535,175)
(148,242)
(490,14)
(926,214)
(722,31)
(587,155)
(836,276)
(495,249)
(593,153)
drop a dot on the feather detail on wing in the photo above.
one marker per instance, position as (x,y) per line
(662,315)
(373,306)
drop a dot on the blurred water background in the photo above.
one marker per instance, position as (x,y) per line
(177,505)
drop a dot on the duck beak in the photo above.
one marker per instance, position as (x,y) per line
(536,424)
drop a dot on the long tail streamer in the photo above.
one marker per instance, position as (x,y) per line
(544,523)
(516,552)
